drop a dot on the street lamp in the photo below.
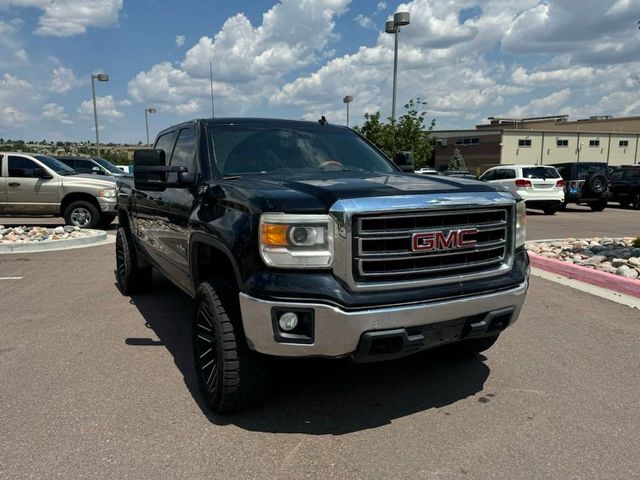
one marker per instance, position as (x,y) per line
(146,121)
(101,77)
(400,19)
(348,99)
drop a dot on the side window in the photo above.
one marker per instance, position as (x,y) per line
(68,162)
(165,142)
(20,167)
(616,175)
(509,174)
(488,175)
(500,174)
(83,166)
(184,154)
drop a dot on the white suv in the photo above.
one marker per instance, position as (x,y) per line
(540,186)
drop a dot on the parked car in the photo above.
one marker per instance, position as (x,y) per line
(93,165)
(427,171)
(32,184)
(540,186)
(301,239)
(585,182)
(624,186)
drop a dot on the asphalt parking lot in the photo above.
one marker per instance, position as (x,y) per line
(97,385)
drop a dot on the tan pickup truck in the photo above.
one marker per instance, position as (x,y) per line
(34,184)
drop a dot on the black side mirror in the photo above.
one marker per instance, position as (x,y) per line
(150,171)
(404,160)
(42,173)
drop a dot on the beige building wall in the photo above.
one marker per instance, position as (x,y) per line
(549,147)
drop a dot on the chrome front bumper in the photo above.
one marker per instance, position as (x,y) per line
(338,332)
(108,205)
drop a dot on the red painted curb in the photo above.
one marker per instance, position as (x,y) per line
(606,280)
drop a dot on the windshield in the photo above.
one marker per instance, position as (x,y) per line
(540,172)
(256,149)
(108,165)
(56,165)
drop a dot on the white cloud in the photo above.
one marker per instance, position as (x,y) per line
(106,107)
(180,39)
(381,6)
(15,95)
(63,18)
(549,105)
(63,79)
(249,61)
(53,111)
(365,22)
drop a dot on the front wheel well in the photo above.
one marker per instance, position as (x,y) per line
(209,263)
(74,197)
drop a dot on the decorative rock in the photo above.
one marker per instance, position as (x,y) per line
(627,272)
(58,230)
(635,261)
(618,262)
(595,260)
(634,253)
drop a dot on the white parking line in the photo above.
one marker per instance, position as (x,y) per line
(10,278)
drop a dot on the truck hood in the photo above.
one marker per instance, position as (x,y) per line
(87,180)
(319,191)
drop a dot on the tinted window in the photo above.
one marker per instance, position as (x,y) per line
(616,174)
(165,142)
(55,165)
(84,166)
(68,162)
(247,149)
(488,175)
(184,154)
(540,172)
(583,170)
(564,171)
(21,167)
(631,174)
(108,165)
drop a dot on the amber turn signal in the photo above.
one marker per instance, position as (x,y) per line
(274,235)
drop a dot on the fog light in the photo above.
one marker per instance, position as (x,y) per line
(288,321)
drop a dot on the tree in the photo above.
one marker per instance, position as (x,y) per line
(407,133)
(456,162)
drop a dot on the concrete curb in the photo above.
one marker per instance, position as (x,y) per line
(606,280)
(52,245)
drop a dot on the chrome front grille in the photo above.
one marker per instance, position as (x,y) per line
(383,251)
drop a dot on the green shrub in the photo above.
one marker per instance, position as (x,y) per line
(636,242)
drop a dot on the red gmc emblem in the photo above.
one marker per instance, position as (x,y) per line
(439,240)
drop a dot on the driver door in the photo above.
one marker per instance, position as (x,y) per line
(26,193)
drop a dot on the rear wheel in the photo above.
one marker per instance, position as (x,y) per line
(470,348)
(230,375)
(551,210)
(635,202)
(82,214)
(598,206)
(129,276)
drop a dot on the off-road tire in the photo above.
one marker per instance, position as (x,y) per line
(472,347)
(82,214)
(129,277)
(635,202)
(550,210)
(231,377)
(597,183)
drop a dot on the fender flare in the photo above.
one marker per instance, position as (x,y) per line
(203,238)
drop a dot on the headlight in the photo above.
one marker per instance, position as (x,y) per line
(296,241)
(108,193)
(521,223)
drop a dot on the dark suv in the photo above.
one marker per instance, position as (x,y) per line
(585,182)
(97,166)
(624,185)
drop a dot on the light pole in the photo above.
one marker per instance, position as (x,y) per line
(347,99)
(146,121)
(101,77)
(400,19)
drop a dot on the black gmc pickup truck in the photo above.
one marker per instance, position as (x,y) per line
(301,239)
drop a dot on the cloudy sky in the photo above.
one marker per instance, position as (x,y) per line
(468,59)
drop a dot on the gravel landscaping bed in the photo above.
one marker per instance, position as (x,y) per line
(20,235)
(612,255)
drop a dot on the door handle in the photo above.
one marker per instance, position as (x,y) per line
(14,184)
